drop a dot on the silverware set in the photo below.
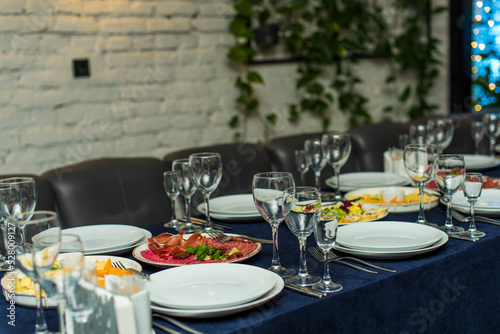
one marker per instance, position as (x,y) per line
(221,237)
(464,219)
(201,222)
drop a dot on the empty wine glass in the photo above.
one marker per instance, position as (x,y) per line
(477,131)
(440,133)
(302,164)
(315,157)
(172,184)
(302,209)
(449,176)
(492,129)
(267,190)
(206,171)
(473,186)
(27,227)
(419,164)
(336,148)
(187,189)
(417,134)
(325,233)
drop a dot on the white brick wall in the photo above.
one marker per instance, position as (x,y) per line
(160,81)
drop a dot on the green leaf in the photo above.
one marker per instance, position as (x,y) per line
(272,119)
(405,94)
(254,77)
(252,105)
(239,28)
(234,122)
(244,8)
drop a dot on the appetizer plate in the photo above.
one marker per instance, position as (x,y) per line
(209,286)
(488,183)
(487,205)
(99,238)
(137,254)
(128,263)
(387,236)
(396,208)
(222,311)
(480,162)
(353,181)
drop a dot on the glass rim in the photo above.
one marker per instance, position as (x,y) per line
(272,175)
(14,218)
(204,154)
(181,161)
(303,189)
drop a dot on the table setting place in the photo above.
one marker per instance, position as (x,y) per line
(126,279)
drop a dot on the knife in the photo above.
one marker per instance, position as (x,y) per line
(140,273)
(463,237)
(305,291)
(262,241)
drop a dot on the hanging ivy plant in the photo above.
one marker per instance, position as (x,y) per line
(330,36)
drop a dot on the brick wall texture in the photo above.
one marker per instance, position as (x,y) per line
(160,81)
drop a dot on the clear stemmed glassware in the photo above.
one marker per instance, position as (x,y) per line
(449,176)
(267,189)
(325,233)
(302,164)
(302,209)
(336,150)
(473,186)
(440,133)
(419,164)
(187,189)
(492,129)
(477,131)
(172,184)
(206,171)
(315,157)
(417,134)
(27,227)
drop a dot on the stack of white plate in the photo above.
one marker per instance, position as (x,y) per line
(109,239)
(211,290)
(488,204)
(354,181)
(388,239)
(232,208)
(480,162)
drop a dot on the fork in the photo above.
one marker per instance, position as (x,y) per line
(121,266)
(334,257)
(221,237)
(461,217)
(318,255)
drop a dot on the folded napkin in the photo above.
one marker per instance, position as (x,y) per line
(394,163)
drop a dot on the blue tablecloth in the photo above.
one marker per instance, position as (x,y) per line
(453,289)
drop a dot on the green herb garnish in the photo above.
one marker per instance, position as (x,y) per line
(202,251)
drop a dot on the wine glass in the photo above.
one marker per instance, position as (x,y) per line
(206,172)
(267,190)
(449,176)
(27,227)
(440,133)
(325,233)
(172,183)
(477,131)
(302,209)
(492,129)
(187,189)
(302,164)
(473,186)
(336,148)
(418,134)
(315,157)
(419,164)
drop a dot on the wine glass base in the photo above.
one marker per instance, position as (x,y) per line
(474,234)
(328,196)
(451,230)
(327,287)
(189,228)
(172,224)
(282,271)
(425,222)
(304,280)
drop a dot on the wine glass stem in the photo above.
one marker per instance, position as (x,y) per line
(317,177)
(326,275)
(336,169)
(174,217)
(40,325)
(61,311)
(208,223)
(492,146)
(449,222)
(421,214)
(303,177)
(187,200)
(303,261)
(276,256)
(476,146)
(472,225)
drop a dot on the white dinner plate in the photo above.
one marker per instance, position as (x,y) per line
(387,236)
(223,311)
(396,208)
(97,238)
(388,255)
(489,200)
(242,204)
(209,286)
(353,181)
(480,161)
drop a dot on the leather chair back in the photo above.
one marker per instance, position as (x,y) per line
(111,191)
(45,200)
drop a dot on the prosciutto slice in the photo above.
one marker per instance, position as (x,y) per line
(169,243)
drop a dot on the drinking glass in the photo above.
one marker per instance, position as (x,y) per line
(206,171)
(449,176)
(27,227)
(492,129)
(172,183)
(267,190)
(418,134)
(187,189)
(315,157)
(473,186)
(477,131)
(302,209)
(302,164)
(325,233)
(336,148)
(419,164)
(440,133)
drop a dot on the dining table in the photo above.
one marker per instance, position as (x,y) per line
(452,289)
